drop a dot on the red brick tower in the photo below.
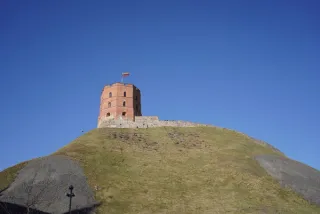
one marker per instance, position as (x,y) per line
(120,101)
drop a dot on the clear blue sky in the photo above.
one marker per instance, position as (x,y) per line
(252,66)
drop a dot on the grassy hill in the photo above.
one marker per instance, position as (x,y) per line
(177,170)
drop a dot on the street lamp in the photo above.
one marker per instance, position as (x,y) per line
(70,195)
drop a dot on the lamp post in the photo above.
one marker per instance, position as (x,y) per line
(70,195)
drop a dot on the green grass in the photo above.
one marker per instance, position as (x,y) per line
(8,175)
(178,170)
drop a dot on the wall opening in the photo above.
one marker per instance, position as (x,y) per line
(108,114)
(123,113)
(124,103)
(110,94)
(125,94)
(109,104)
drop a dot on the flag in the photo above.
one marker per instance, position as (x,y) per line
(125,74)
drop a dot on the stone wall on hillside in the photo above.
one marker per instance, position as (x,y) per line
(145,122)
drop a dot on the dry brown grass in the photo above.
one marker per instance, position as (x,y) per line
(8,175)
(180,170)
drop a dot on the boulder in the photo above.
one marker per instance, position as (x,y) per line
(42,185)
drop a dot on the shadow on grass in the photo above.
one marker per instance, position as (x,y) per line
(87,210)
(9,208)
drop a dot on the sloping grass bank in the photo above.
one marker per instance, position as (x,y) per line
(178,170)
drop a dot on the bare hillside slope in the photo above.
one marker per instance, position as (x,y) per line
(177,170)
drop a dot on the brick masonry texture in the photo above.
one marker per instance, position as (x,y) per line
(120,101)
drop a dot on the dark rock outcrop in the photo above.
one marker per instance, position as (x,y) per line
(42,186)
(301,178)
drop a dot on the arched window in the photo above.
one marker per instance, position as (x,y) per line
(123,113)
(109,104)
(124,103)
(108,114)
(110,94)
(125,94)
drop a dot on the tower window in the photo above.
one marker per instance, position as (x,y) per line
(124,103)
(123,113)
(136,97)
(110,94)
(109,104)
(108,114)
(136,106)
(125,94)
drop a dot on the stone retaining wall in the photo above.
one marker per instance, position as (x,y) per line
(146,118)
(146,122)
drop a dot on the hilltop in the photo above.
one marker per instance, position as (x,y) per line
(178,170)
